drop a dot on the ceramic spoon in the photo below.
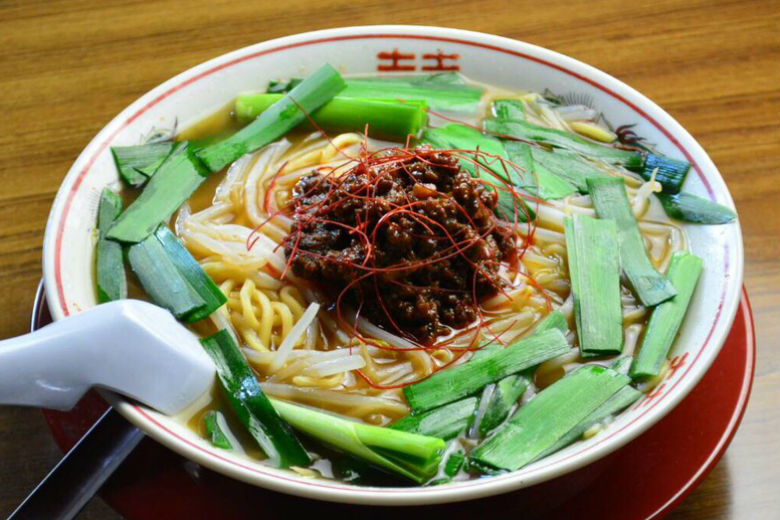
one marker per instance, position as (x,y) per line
(130,347)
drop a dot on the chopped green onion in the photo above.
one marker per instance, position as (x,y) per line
(610,200)
(669,172)
(497,401)
(283,86)
(690,208)
(439,96)
(444,422)
(212,420)
(251,405)
(111,280)
(484,469)
(461,137)
(435,139)
(484,351)
(561,139)
(555,411)
(438,79)
(567,165)
(622,364)
(391,120)
(191,270)
(160,278)
(462,380)
(131,161)
(509,109)
(684,271)
(175,181)
(452,465)
(280,118)
(150,169)
(595,284)
(535,177)
(416,457)
(173,278)
(352,470)
(554,320)
(621,400)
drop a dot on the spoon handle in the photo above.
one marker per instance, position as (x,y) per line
(130,347)
(78,476)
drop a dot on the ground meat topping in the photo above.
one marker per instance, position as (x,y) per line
(410,242)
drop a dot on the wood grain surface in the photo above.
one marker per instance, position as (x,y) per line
(67,68)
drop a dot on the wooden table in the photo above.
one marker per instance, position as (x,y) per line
(66,68)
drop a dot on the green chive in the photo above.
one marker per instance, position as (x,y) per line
(452,465)
(610,200)
(283,86)
(212,420)
(444,422)
(461,137)
(251,405)
(529,132)
(151,168)
(111,280)
(569,166)
(684,271)
(420,80)
(280,118)
(622,364)
(131,161)
(509,109)
(462,380)
(669,172)
(173,278)
(555,411)
(497,401)
(439,96)
(416,457)
(175,181)
(554,320)
(392,120)
(160,278)
(595,283)
(191,270)
(690,208)
(621,400)
(540,181)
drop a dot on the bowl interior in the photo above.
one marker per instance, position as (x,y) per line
(70,238)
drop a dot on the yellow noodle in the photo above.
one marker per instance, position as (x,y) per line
(290,296)
(247,309)
(318,382)
(442,356)
(285,316)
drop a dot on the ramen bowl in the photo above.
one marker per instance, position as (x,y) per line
(183,100)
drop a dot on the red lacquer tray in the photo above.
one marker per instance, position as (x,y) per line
(645,479)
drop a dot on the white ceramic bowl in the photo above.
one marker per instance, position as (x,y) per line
(69,242)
